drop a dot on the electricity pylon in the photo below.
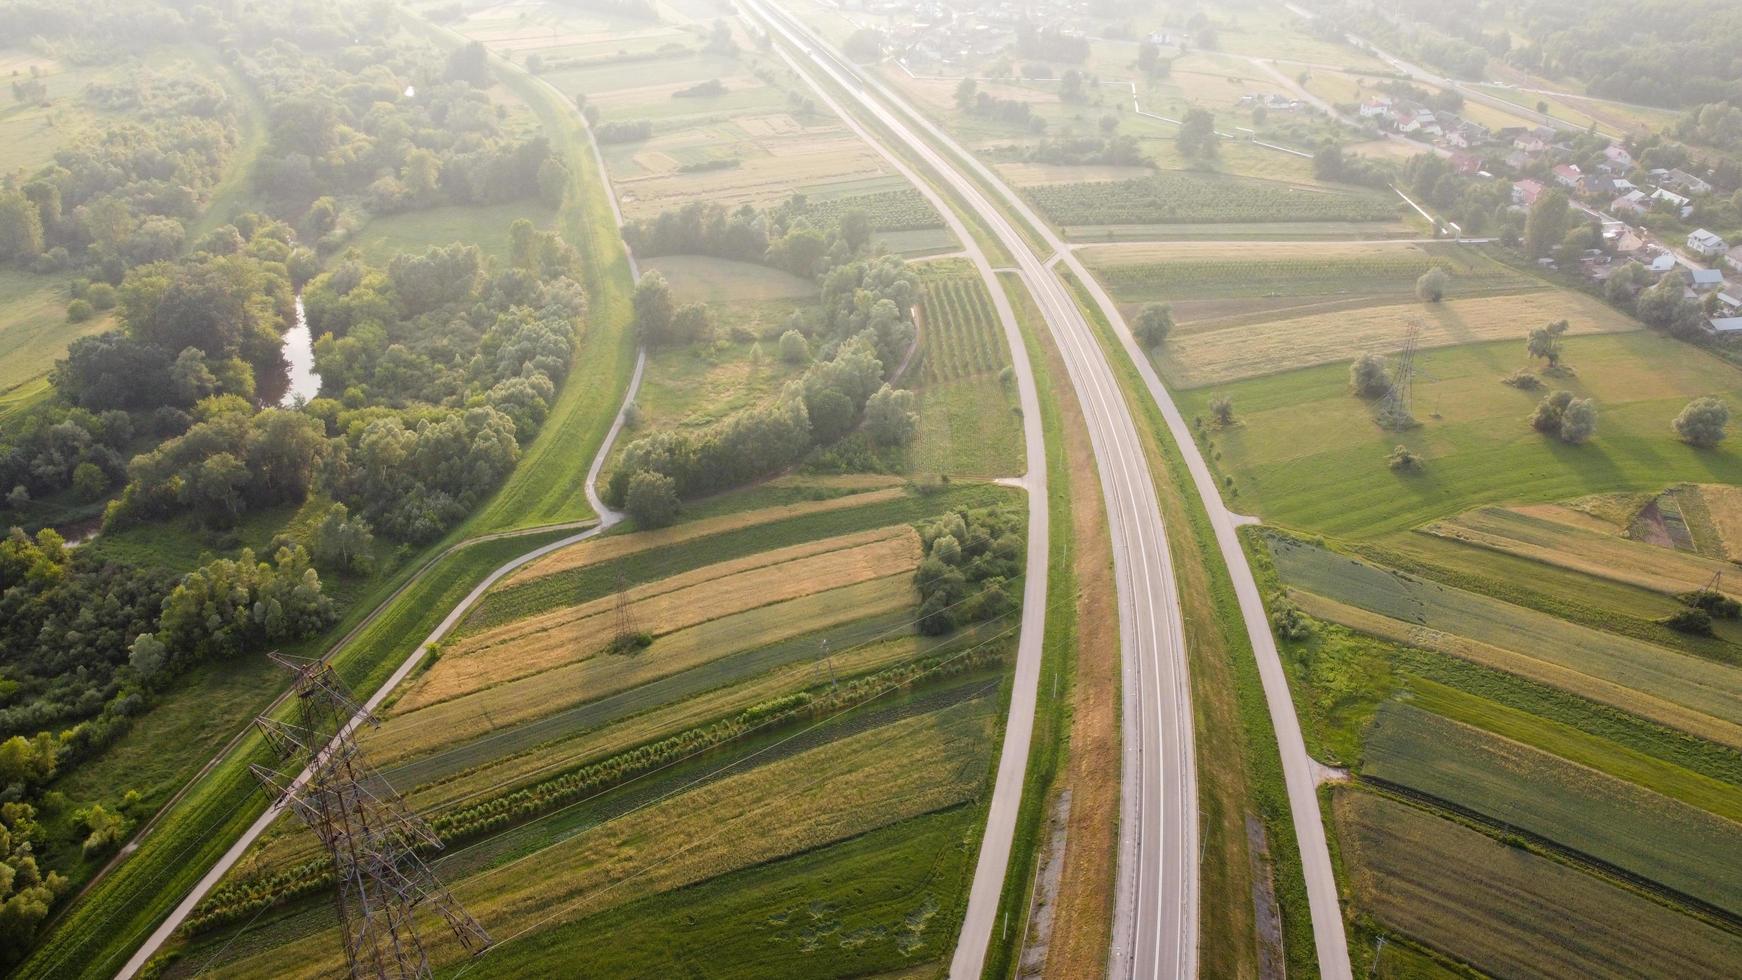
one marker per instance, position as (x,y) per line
(372,836)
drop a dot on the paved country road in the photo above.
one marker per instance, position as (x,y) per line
(1157,915)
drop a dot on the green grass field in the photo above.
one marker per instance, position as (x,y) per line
(968,419)
(34,331)
(1304,454)
(483,225)
(1170,273)
(1473,898)
(1632,829)
(705,279)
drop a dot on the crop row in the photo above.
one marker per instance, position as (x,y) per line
(1191,199)
(961,330)
(246,897)
(901,209)
(1234,277)
(1634,830)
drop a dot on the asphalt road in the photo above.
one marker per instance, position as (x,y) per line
(1156,919)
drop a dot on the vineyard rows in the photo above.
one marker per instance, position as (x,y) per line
(902,209)
(961,330)
(1189,199)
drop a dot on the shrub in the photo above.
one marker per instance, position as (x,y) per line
(1403,461)
(794,349)
(1702,422)
(1154,322)
(1715,604)
(1222,410)
(1695,621)
(1431,287)
(1523,379)
(1368,377)
(1288,621)
(1570,419)
(80,310)
(651,499)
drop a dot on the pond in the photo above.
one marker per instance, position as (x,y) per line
(299,354)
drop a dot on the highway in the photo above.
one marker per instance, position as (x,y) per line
(1156,915)
(967,174)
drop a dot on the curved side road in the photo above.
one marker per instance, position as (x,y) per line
(1297,766)
(1158,888)
(607,519)
(999,834)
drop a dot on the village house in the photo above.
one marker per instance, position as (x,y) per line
(1706,244)
(1632,202)
(1617,157)
(1706,280)
(1525,192)
(1687,183)
(1568,175)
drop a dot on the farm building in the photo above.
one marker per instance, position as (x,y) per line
(1706,280)
(1725,324)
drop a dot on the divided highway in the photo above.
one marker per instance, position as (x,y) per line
(1156,917)
(1299,772)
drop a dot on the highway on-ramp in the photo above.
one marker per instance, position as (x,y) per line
(1156,916)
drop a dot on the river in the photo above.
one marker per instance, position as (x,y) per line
(299,353)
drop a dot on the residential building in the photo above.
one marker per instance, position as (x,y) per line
(1706,244)
(1567,175)
(1618,157)
(1707,280)
(1632,202)
(1687,183)
(1526,191)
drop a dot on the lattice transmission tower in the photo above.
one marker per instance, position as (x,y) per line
(372,836)
(1395,412)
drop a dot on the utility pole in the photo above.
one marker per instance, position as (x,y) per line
(371,835)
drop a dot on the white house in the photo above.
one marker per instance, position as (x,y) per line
(1706,244)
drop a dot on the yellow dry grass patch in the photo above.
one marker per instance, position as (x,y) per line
(477,712)
(663,722)
(1724,504)
(538,643)
(788,166)
(1566,678)
(1209,353)
(841,790)
(595,550)
(1579,542)
(772,124)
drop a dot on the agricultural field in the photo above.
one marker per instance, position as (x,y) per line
(1305,454)
(567,769)
(968,419)
(1229,280)
(1191,199)
(1271,342)
(1566,538)
(1695,695)
(1608,820)
(1479,901)
(34,331)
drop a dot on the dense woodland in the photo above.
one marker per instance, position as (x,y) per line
(437,367)
(853,340)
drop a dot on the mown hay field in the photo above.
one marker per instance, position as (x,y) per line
(1685,692)
(1305,454)
(818,797)
(1557,536)
(1507,911)
(1229,349)
(612,546)
(548,640)
(590,579)
(1608,819)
